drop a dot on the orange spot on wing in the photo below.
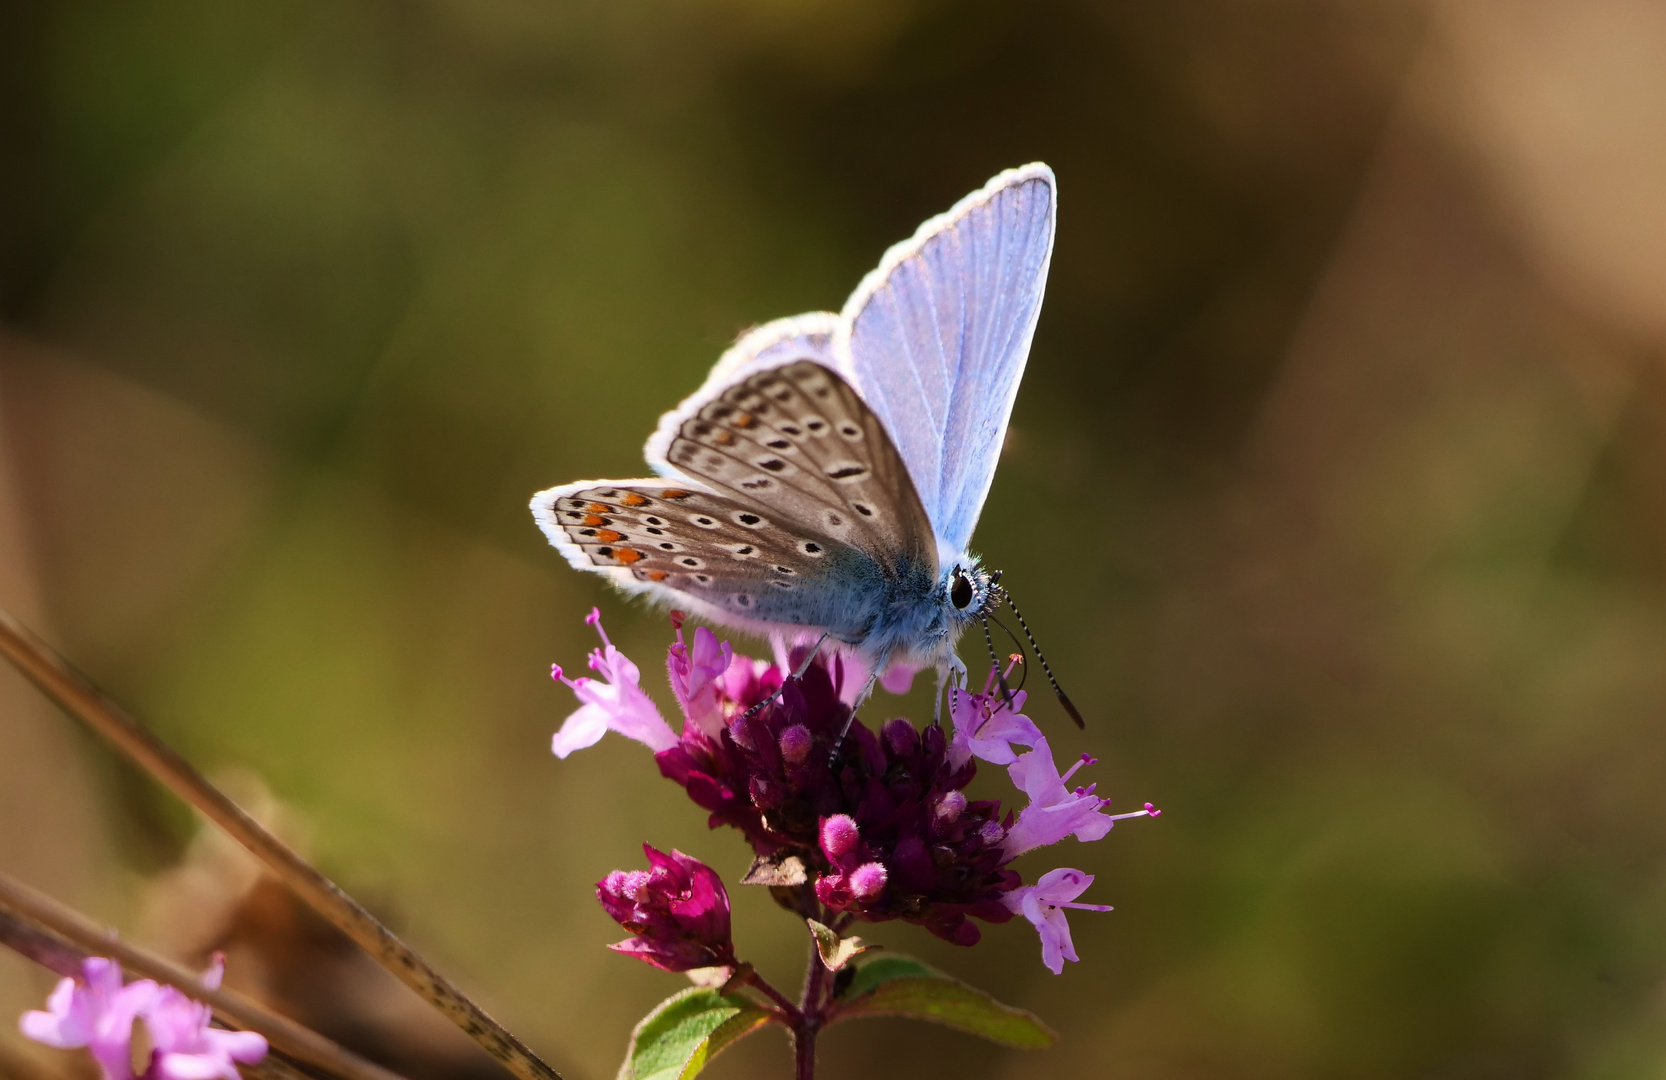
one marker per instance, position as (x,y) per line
(627,556)
(724,438)
(598,508)
(608,536)
(656,575)
(631,498)
(674,493)
(744,420)
(593,520)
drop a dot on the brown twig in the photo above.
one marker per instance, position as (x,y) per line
(66,686)
(58,938)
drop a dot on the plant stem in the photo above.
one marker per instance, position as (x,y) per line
(809,1020)
(78,697)
(804,1052)
(59,938)
(789,1012)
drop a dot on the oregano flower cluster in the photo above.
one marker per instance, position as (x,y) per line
(870,827)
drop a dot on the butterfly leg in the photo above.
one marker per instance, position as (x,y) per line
(803,666)
(954,674)
(867,692)
(951,676)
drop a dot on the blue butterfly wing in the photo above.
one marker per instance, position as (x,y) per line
(781,503)
(936,338)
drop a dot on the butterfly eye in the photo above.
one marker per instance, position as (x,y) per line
(960,593)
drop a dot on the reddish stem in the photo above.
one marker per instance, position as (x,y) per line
(810,1016)
(789,1011)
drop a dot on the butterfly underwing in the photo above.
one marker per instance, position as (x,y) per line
(827,477)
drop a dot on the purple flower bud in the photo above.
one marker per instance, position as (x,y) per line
(911,862)
(796,743)
(868,881)
(678,910)
(834,891)
(839,835)
(949,807)
(901,737)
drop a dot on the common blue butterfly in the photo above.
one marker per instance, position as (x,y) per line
(827,476)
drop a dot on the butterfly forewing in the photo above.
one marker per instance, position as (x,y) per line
(936,339)
(795,442)
(693,542)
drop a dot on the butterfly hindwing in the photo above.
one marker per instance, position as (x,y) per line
(796,442)
(936,339)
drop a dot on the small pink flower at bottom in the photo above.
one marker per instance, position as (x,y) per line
(96,1012)
(1043,904)
(616,702)
(185,1046)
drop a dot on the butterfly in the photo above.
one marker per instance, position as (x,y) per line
(827,477)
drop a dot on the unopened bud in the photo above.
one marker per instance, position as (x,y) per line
(839,835)
(868,881)
(796,743)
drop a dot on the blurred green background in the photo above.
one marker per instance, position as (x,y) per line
(1337,491)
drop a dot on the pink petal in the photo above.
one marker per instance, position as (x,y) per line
(584,728)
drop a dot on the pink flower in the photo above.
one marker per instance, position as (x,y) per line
(97,1012)
(696,677)
(986,726)
(677,909)
(617,703)
(185,1045)
(1043,904)
(1056,811)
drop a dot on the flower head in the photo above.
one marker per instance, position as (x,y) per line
(616,702)
(1043,904)
(884,831)
(677,909)
(844,819)
(95,1011)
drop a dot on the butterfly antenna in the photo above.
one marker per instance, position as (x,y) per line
(1019,645)
(1064,699)
(1001,676)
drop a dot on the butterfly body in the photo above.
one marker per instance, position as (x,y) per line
(826,478)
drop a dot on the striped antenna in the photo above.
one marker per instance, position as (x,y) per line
(1064,699)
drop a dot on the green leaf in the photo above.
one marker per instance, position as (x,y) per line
(895,985)
(834,950)
(687,1030)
